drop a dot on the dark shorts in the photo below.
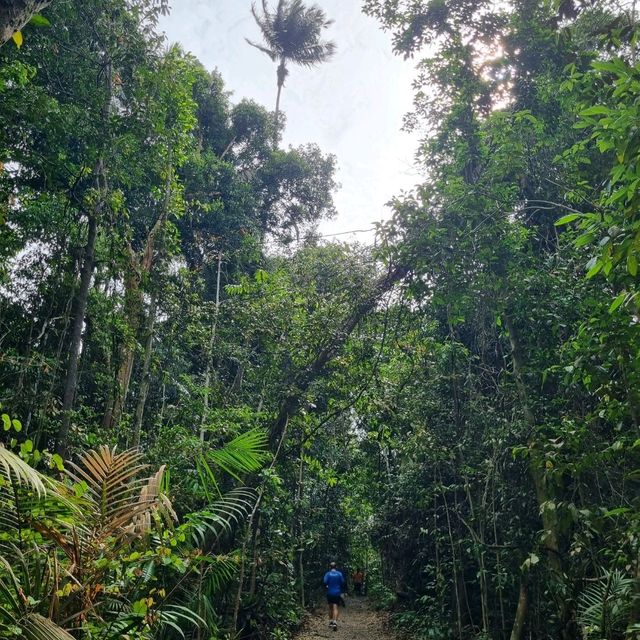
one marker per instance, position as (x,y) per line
(333,599)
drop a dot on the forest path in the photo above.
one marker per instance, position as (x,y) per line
(357,621)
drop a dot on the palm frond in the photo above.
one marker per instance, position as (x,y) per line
(210,524)
(153,501)
(118,496)
(244,454)
(604,606)
(37,627)
(23,581)
(272,54)
(294,32)
(220,570)
(14,468)
(177,617)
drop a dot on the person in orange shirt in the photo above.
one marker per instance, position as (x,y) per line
(358,581)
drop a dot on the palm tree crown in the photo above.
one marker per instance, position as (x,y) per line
(292,33)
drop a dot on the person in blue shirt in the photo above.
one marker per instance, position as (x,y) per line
(335,585)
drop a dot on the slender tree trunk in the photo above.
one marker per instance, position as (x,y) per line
(549,517)
(139,268)
(14,15)
(79,313)
(521,611)
(243,553)
(254,562)
(549,520)
(454,559)
(145,378)
(133,305)
(282,74)
(299,533)
(212,339)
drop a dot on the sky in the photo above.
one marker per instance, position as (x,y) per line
(351,106)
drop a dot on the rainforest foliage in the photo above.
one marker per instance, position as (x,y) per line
(203,401)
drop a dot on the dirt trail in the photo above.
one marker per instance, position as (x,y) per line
(357,622)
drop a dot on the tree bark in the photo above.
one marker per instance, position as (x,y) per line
(282,74)
(521,611)
(139,268)
(212,339)
(549,520)
(145,378)
(14,15)
(79,313)
(552,536)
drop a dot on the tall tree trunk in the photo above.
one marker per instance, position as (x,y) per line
(133,305)
(145,378)
(79,313)
(139,269)
(86,273)
(282,74)
(212,339)
(298,524)
(14,14)
(549,519)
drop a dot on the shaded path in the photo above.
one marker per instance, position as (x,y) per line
(357,622)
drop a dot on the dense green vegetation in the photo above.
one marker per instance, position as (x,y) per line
(203,402)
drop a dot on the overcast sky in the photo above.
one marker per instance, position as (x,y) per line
(351,106)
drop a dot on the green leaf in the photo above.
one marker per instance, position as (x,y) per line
(568,218)
(632,264)
(139,608)
(39,20)
(57,462)
(6,422)
(17,425)
(585,238)
(618,301)
(17,38)
(616,66)
(594,266)
(598,110)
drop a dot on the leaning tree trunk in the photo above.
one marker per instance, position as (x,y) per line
(290,405)
(14,14)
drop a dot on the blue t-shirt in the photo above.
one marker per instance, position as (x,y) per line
(334,581)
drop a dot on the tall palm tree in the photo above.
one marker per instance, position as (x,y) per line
(292,33)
